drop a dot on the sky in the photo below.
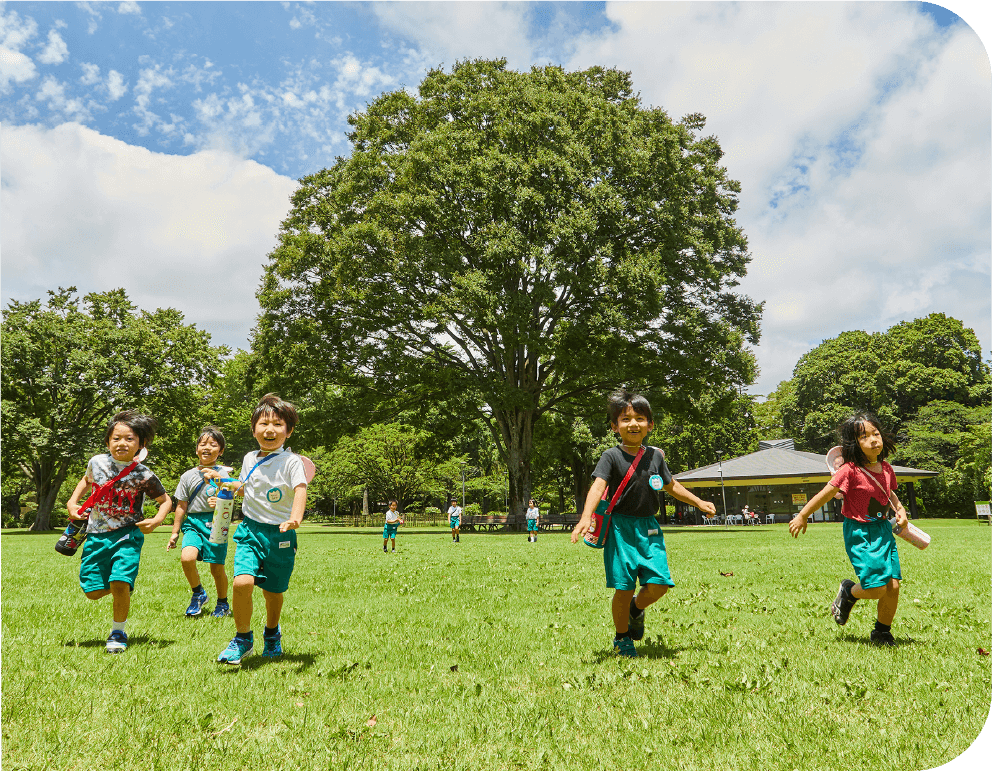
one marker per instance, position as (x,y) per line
(155,146)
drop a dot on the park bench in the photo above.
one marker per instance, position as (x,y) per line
(982,511)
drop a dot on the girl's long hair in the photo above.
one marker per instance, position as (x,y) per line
(854,427)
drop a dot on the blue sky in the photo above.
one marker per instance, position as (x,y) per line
(155,145)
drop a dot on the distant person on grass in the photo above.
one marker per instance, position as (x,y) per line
(117,525)
(274,485)
(393,522)
(533,521)
(455,520)
(635,545)
(194,516)
(868,485)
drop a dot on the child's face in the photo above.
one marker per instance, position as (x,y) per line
(271,432)
(124,443)
(871,441)
(633,427)
(207,450)
(392,506)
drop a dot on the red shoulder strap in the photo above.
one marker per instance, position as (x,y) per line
(101,490)
(626,479)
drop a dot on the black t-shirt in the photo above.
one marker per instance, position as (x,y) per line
(639,499)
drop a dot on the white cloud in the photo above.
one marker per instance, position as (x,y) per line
(56,51)
(860,134)
(53,92)
(116,86)
(129,7)
(15,33)
(187,232)
(91,74)
(149,79)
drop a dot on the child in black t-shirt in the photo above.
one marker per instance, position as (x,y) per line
(635,546)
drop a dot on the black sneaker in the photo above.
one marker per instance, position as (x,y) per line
(842,604)
(635,625)
(882,639)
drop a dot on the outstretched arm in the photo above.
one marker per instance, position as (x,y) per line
(677,491)
(798,522)
(595,495)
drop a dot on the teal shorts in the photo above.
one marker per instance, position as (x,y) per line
(635,551)
(871,547)
(111,556)
(531,525)
(389,530)
(265,553)
(455,521)
(196,533)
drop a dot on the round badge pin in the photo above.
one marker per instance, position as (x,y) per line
(274,495)
(656,482)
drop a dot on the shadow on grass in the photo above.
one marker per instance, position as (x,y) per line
(865,640)
(649,648)
(303,662)
(131,642)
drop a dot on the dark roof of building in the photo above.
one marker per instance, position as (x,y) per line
(777,466)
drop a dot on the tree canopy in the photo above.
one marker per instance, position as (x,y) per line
(68,366)
(527,238)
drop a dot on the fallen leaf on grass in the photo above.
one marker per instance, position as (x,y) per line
(222,730)
(299,704)
(726,575)
(454,667)
(372,722)
(982,652)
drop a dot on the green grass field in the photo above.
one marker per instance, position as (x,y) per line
(495,654)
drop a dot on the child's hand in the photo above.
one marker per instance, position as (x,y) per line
(148,525)
(212,500)
(901,519)
(796,525)
(74,511)
(289,524)
(708,507)
(172,542)
(582,528)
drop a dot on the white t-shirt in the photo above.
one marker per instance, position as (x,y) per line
(392,516)
(269,491)
(533,513)
(454,511)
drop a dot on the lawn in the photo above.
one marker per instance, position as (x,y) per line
(495,654)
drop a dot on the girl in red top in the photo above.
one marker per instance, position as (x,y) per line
(868,485)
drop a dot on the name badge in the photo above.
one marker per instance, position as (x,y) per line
(656,482)
(653,532)
(284,544)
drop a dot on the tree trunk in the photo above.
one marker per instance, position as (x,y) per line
(48,491)
(580,482)
(517,432)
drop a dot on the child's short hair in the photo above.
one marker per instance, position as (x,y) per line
(393,500)
(854,427)
(144,426)
(214,433)
(274,404)
(622,398)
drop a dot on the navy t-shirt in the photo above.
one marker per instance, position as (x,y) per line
(639,499)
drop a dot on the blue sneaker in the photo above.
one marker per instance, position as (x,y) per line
(117,642)
(236,650)
(273,644)
(624,646)
(196,604)
(221,609)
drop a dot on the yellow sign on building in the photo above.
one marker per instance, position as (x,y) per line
(799,499)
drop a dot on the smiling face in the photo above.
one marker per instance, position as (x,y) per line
(123,444)
(207,450)
(633,427)
(271,432)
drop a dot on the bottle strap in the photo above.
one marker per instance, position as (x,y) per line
(885,489)
(101,490)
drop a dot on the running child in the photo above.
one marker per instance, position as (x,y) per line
(533,520)
(274,486)
(455,520)
(194,515)
(635,547)
(117,525)
(868,485)
(393,523)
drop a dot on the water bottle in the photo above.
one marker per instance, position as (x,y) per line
(221,525)
(913,534)
(72,538)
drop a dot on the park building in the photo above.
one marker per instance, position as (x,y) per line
(775,483)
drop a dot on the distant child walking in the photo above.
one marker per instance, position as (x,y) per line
(455,520)
(868,485)
(274,485)
(393,522)
(194,516)
(635,546)
(533,521)
(117,525)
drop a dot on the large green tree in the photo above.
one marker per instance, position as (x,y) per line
(68,366)
(524,237)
